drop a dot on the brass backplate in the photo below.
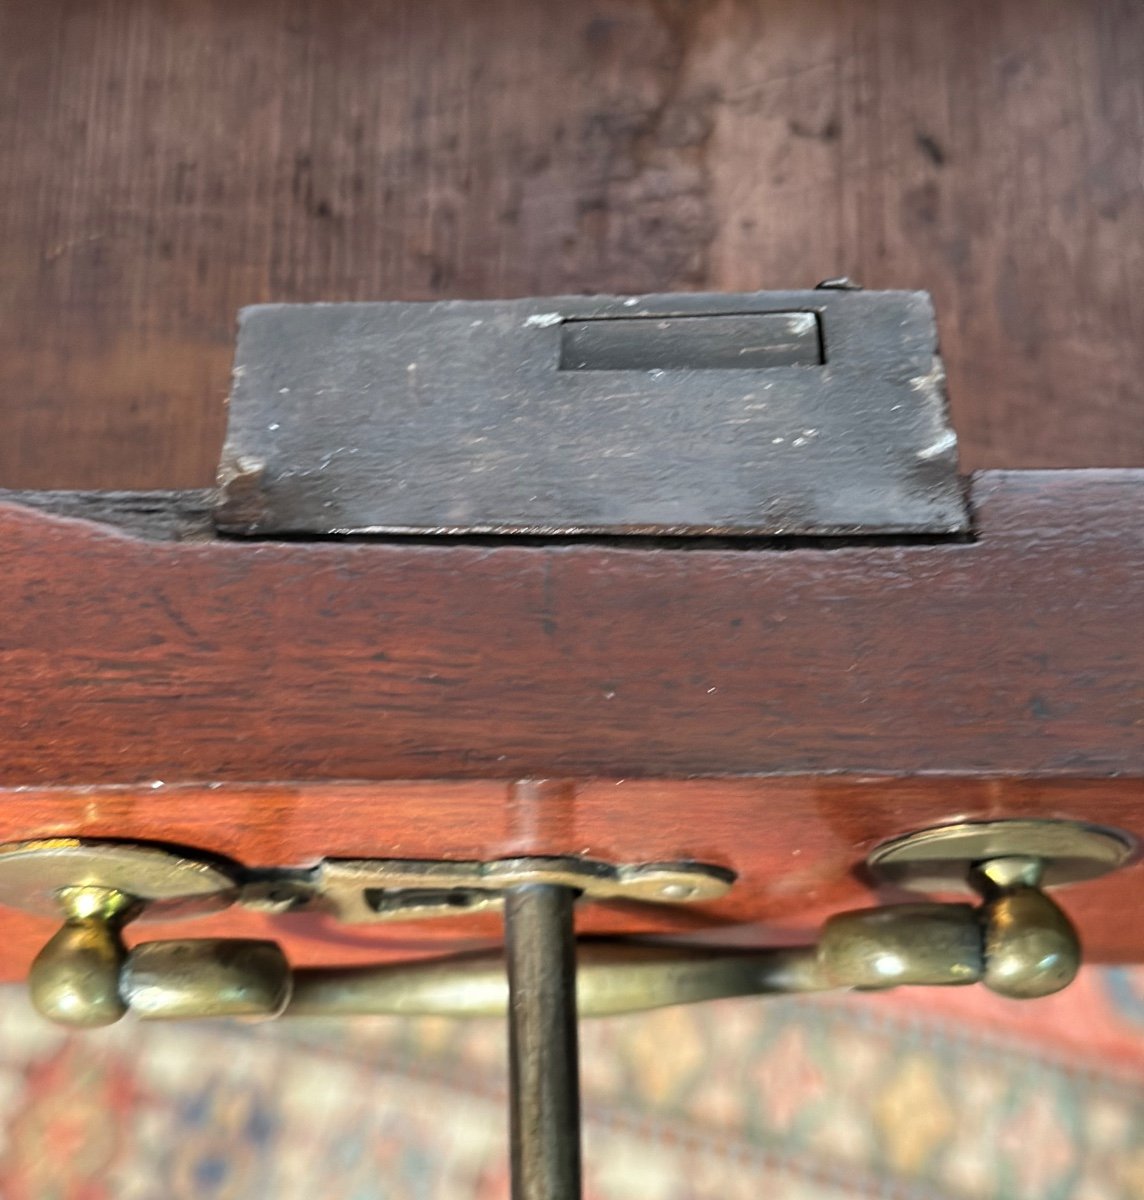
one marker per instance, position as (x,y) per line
(941,859)
(362,891)
(175,882)
(171,883)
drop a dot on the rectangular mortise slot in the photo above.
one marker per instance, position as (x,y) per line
(412,901)
(736,342)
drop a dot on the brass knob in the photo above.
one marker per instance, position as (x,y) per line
(75,977)
(1031,948)
(99,886)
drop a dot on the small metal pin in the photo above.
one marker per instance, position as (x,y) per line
(544,1068)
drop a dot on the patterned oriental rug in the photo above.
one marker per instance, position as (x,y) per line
(946,1095)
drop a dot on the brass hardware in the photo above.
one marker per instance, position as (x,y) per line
(1031,947)
(171,883)
(902,945)
(871,949)
(360,891)
(207,977)
(75,979)
(99,887)
(613,976)
(933,943)
(85,975)
(1016,942)
(942,858)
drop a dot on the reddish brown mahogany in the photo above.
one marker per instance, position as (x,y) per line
(593,146)
(127,660)
(776,711)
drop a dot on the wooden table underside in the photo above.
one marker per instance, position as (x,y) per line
(778,711)
(165,163)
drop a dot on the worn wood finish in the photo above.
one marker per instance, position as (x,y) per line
(164,162)
(127,660)
(462,417)
(795,842)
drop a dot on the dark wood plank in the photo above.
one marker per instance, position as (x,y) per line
(164,162)
(125,660)
(460,418)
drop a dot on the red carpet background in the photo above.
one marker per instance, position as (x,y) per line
(942,1095)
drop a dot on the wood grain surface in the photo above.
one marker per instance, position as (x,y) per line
(125,660)
(164,162)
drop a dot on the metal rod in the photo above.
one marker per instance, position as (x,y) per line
(544,1069)
(612,977)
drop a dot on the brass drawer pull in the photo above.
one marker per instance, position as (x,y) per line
(1018,943)
(1015,941)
